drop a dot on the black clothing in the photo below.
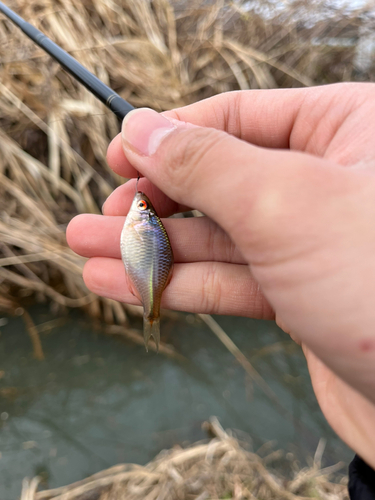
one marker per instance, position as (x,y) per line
(361,480)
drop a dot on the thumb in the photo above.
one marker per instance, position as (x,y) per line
(233,182)
(304,224)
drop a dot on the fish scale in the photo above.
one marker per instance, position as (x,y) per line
(148,259)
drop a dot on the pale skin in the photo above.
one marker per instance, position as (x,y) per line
(286,179)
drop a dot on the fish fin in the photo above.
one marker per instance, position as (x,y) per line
(138,234)
(151,328)
(169,276)
(131,287)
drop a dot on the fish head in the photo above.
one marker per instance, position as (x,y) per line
(141,207)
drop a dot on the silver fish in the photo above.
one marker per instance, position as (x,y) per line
(148,259)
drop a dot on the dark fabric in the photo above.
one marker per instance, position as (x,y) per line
(361,480)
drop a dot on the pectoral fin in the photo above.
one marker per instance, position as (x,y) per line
(169,276)
(131,287)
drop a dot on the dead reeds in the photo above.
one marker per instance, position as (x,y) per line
(53,140)
(161,54)
(220,469)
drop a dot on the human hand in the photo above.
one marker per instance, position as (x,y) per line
(286,178)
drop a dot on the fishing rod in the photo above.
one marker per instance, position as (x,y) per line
(105,94)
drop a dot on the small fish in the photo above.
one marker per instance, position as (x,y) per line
(148,259)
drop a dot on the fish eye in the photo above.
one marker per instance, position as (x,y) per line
(142,205)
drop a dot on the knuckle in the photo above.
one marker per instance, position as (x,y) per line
(211,291)
(234,114)
(230,250)
(211,238)
(191,149)
(219,245)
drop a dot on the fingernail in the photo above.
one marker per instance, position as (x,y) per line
(144,129)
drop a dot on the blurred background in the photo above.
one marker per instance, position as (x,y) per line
(78,393)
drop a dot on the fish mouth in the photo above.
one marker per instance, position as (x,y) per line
(139,195)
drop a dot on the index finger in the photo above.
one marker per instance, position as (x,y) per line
(262,117)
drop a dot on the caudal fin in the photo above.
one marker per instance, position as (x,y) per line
(151,327)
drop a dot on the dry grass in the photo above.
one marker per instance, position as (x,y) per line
(54,136)
(219,469)
(163,54)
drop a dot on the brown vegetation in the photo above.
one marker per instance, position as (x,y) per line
(53,141)
(220,469)
(160,54)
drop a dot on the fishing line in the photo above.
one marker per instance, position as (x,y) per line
(136,184)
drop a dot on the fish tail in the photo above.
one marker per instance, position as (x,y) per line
(151,328)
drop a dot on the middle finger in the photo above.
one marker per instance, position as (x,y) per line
(193,240)
(118,203)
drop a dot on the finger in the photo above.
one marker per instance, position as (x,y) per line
(193,240)
(117,160)
(262,117)
(309,119)
(118,203)
(205,287)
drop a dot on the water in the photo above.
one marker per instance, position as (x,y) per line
(96,400)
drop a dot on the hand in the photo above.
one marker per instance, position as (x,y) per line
(287,181)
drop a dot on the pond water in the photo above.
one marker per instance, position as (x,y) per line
(97,400)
